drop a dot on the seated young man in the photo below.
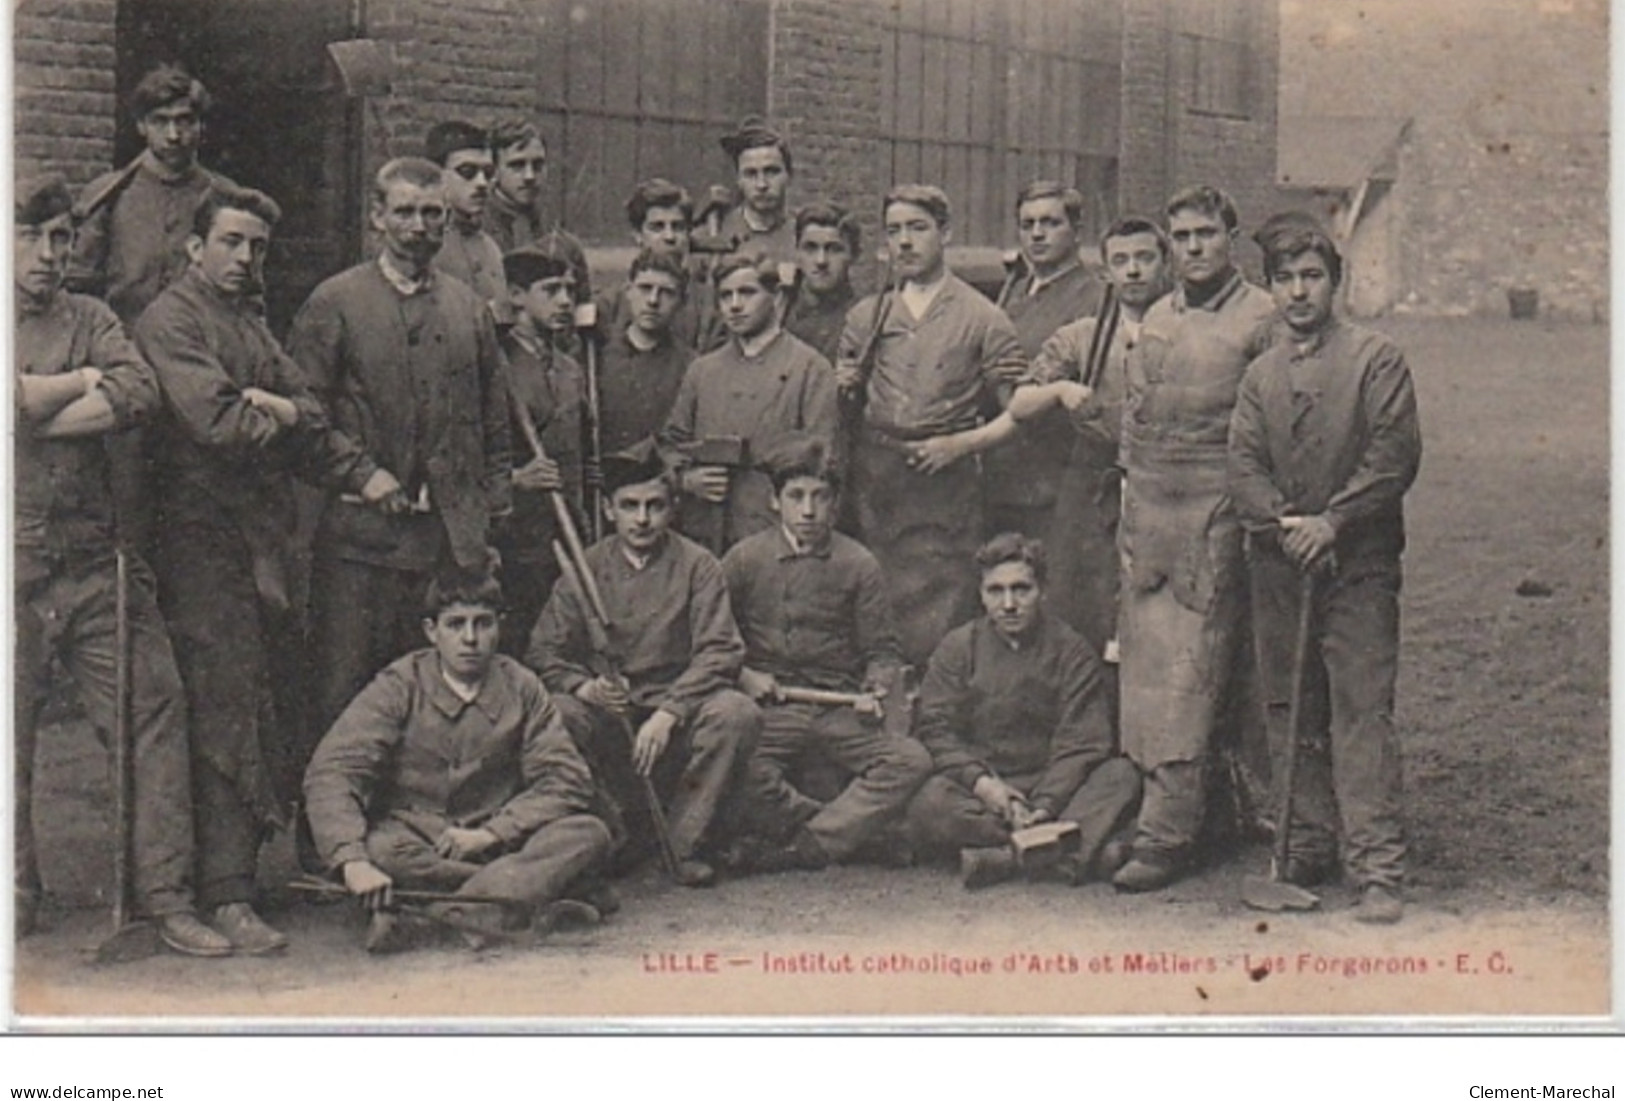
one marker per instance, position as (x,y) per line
(452,772)
(813,609)
(1013,709)
(661,702)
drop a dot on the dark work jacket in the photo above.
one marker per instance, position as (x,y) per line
(417,384)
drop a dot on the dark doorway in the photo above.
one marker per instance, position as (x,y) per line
(280,122)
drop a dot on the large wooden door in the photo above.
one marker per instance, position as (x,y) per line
(280,122)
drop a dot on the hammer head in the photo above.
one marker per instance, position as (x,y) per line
(1044,845)
(729,451)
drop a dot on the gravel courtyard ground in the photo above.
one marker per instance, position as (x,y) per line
(1503,704)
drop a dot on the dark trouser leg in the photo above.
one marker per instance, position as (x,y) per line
(549,861)
(526,585)
(407,856)
(228,838)
(364,617)
(888,771)
(163,843)
(1360,644)
(31,683)
(1105,803)
(1171,812)
(944,817)
(924,529)
(1275,590)
(713,751)
(1082,545)
(772,806)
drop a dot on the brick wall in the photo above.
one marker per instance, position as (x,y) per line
(64,66)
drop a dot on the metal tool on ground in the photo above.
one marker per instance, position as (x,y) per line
(1274,893)
(576,573)
(130,938)
(326,888)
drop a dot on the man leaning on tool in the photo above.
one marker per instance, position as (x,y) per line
(407,364)
(812,606)
(677,717)
(238,425)
(452,772)
(1013,709)
(78,378)
(1323,446)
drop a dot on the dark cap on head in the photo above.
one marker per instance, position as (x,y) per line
(524,266)
(753,132)
(635,465)
(40,199)
(165,85)
(455,135)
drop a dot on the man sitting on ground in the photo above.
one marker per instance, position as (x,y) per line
(1014,711)
(452,772)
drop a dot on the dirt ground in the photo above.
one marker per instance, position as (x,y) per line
(1503,707)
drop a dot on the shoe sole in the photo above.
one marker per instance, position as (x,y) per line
(200,953)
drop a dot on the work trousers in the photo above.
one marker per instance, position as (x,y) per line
(363,617)
(697,776)
(945,816)
(924,529)
(1348,769)
(1082,545)
(527,582)
(539,871)
(240,659)
(70,616)
(885,771)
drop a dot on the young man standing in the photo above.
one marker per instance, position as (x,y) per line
(661,703)
(1324,444)
(762,384)
(549,390)
(812,606)
(763,169)
(1181,543)
(452,772)
(238,425)
(77,379)
(827,242)
(513,215)
(937,353)
(1014,712)
(643,361)
(407,364)
(468,253)
(1052,288)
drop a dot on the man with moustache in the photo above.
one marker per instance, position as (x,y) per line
(1052,288)
(1014,712)
(468,253)
(1324,444)
(238,425)
(762,384)
(407,364)
(827,243)
(672,635)
(77,377)
(937,353)
(1180,539)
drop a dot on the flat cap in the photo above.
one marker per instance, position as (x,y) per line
(455,135)
(633,466)
(41,198)
(524,266)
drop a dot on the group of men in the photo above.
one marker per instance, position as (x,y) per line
(1055,504)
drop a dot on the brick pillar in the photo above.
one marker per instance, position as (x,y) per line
(65,109)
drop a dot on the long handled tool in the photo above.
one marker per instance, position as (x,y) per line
(1275,893)
(130,939)
(574,568)
(586,325)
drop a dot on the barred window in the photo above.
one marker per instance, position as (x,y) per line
(1215,57)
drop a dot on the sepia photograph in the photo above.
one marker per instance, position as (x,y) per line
(536,515)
